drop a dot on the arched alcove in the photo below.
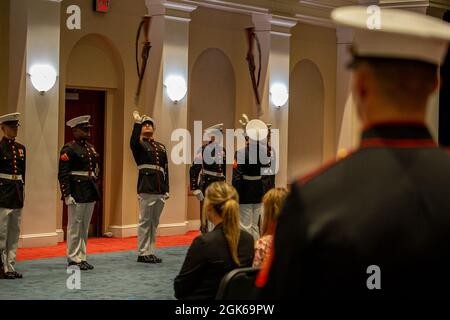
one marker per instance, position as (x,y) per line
(212,99)
(95,64)
(212,90)
(306,119)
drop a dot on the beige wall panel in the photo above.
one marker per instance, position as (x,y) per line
(4,55)
(306,116)
(318,44)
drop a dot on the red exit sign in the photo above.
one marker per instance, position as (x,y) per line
(101,5)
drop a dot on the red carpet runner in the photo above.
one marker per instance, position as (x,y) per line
(103,245)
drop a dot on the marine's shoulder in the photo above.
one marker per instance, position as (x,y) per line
(335,164)
(71,145)
(160,144)
(19,145)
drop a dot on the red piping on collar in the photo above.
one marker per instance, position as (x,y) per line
(398,143)
(397,123)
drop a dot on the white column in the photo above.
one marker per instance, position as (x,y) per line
(279,71)
(170,31)
(347,126)
(39,129)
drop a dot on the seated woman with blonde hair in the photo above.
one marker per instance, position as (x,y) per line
(213,254)
(273,202)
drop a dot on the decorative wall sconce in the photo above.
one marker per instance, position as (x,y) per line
(279,94)
(176,88)
(43,77)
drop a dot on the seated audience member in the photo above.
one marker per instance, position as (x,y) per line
(272,203)
(214,254)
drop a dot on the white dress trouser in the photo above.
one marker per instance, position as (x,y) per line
(9,236)
(249,217)
(79,216)
(150,208)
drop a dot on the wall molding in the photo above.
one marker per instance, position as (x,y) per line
(60,233)
(124,231)
(164,229)
(38,240)
(193,225)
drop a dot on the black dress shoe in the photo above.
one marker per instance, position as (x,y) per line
(154,259)
(80,265)
(10,275)
(88,265)
(143,259)
(17,275)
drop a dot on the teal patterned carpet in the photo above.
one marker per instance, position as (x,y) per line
(116,276)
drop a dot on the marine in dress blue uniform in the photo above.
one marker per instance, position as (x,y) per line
(12,183)
(209,166)
(153,184)
(248,168)
(77,175)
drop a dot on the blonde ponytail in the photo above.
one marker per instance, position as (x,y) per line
(231,227)
(225,201)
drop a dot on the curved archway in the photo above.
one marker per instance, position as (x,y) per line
(306,119)
(95,64)
(212,99)
(212,89)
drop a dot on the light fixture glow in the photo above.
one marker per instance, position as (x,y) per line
(279,94)
(176,88)
(43,77)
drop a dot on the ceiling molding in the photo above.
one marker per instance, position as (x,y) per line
(314,12)
(329,5)
(227,6)
(179,6)
(283,22)
(322,22)
(404,4)
(442,4)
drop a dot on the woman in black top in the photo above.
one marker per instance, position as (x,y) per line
(213,254)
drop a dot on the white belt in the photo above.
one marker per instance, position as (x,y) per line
(82,173)
(151,166)
(252,178)
(212,173)
(11,176)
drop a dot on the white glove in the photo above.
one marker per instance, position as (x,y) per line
(69,200)
(137,117)
(198,194)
